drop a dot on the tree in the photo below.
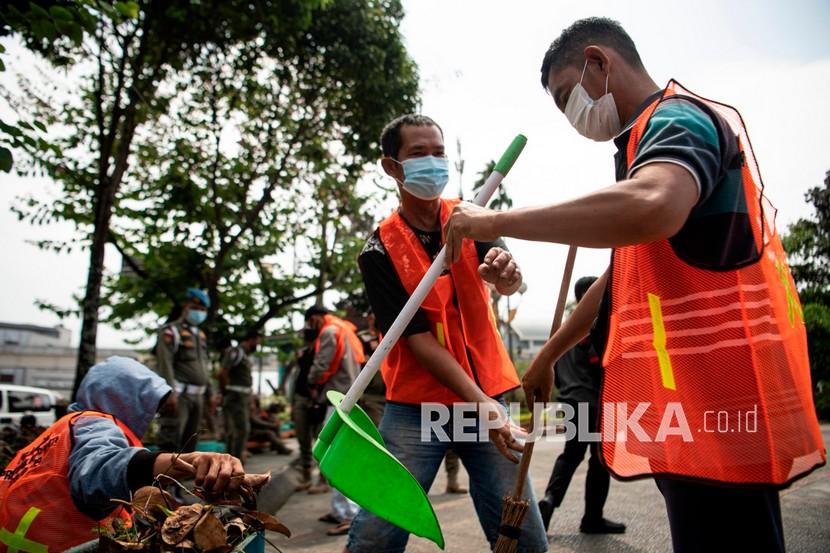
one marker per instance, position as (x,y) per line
(808,245)
(24,134)
(276,218)
(501,199)
(124,55)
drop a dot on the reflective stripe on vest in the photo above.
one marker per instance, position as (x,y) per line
(460,315)
(711,366)
(344,331)
(37,513)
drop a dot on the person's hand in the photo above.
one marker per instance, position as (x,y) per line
(467,221)
(171,405)
(538,379)
(500,269)
(501,434)
(215,472)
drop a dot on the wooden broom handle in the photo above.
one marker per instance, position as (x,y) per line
(524,464)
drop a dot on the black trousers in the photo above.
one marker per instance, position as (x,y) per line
(714,519)
(597,480)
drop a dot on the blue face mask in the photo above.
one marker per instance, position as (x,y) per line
(425,177)
(196,317)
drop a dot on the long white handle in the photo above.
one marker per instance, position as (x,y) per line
(415,300)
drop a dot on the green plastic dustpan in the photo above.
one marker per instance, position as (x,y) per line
(354,459)
(350,451)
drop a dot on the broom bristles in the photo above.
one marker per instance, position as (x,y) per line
(512,515)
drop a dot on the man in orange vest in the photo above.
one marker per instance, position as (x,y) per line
(338,354)
(58,491)
(705,361)
(451,354)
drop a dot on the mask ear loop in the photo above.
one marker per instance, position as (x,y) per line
(584,67)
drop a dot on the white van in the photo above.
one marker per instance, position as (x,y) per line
(18,401)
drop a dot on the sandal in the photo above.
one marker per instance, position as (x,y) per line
(341,529)
(330,518)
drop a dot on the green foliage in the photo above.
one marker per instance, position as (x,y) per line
(250,138)
(817,320)
(808,245)
(20,135)
(501,199)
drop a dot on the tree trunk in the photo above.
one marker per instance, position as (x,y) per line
(95,275)
(324,256)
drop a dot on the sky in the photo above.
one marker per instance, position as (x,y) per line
(479,66)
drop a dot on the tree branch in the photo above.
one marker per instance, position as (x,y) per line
(138,269)
(275,308)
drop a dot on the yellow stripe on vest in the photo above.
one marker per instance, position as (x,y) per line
(17,542)
(439,334)
(793,307)
(659,341)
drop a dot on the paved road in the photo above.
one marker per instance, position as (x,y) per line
(806,512)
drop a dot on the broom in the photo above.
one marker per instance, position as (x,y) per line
(515,506)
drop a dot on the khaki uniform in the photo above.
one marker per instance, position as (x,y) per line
(182,360)
(236,399)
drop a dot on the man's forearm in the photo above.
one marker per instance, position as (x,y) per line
(443,366)
(651,206)
(578,325)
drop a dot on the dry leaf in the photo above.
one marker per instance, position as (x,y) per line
(148,498)
(235,529)
(130,546)
(209,533)
(180,523)
(256,481)
(269,522)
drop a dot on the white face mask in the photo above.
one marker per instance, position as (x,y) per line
(594,119)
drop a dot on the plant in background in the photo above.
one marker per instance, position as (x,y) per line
(808,245)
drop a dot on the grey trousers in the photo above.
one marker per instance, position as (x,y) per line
(452,464)
(180,432)
(236,408)
(374,406)
(307,424)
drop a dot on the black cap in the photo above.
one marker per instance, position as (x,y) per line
(582,286)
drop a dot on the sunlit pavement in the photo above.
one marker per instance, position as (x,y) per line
(806,511)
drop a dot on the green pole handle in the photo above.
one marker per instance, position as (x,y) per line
(511,154)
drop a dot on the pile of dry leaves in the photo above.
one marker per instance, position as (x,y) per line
(213,524)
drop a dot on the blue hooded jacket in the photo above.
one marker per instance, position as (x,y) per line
(101,453)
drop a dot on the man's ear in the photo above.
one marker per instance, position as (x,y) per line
(598,56)
(392,168)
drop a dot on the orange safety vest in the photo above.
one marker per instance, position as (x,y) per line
(37,513)
(724,350)
(345,331)
(460,315)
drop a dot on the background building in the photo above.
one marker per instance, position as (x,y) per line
(44,356)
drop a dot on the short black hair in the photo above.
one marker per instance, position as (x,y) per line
(582,286)
(315,310)
(567,49)
(390,138)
